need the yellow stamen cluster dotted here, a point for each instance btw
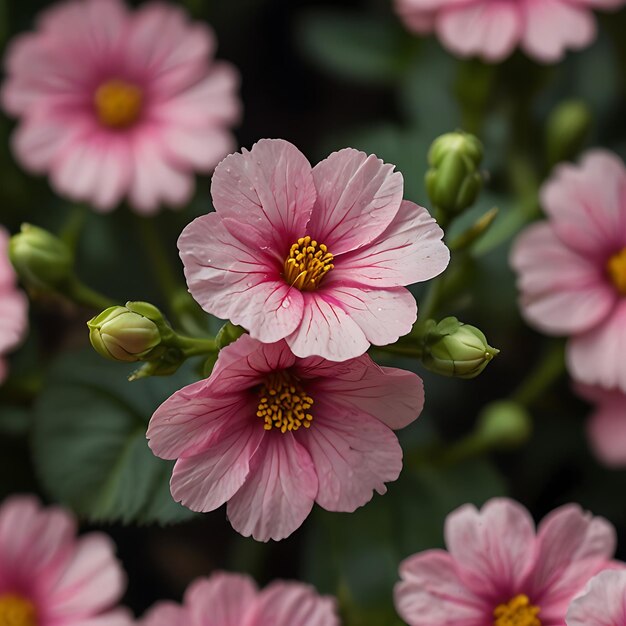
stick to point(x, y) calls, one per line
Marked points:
point(307, 264)
point(118, 103)
point(616, 267)
point(16, 611)
point(518, 611)
point(283, 403)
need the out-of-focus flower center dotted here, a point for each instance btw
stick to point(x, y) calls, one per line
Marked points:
point(16, 611)
point(518, 611)
point(118, 103)
point(307, 264)
point(616, 268)
point(283, 403)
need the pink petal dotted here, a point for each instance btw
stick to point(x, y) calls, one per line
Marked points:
point(279, 492)
point(235, 281)
point(597, 357)
point(409, 251)
point(552, 26)
point(493, 547)
point(198, 148)
point(383, 315)
point(326, 330)
point(223, 599)
point(482, 28)
point(357, 198)
point(116, 617)
point(418, 20)
point(13, 318)
point(562, 291)
point(393, 396)
point(165, 614)
point(92, 581)
point(293, 604)
point(602, 603)
point(587, 204)
point(571, 547)
point(269, 188)
point(431, 593)
point(354, 455)
point(606, 430)
point(209, 479)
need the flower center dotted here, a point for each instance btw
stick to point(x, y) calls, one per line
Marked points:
point(283, 403)
point(307, 264)
point(118, 104)
point(16, 611)
point(616, 267)
point(518, 611)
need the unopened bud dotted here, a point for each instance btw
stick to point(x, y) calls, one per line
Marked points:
point(452, 348)
point(504, 424)
point(127, 333)
point(454, 180)
point(42, 261)
point(227, 334)
point(567, 128)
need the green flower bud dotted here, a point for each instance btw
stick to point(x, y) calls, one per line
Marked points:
point(227, 334)
point(167, 362)
point(127, 333)
point(454, 180)
point(566, 130)
point(452, 348)
point(504, 424)
point(43, 262)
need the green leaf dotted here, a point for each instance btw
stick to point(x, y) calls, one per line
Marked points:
point(356, 46)
point(90, 447)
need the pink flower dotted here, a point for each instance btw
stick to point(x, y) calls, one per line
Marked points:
point(48, 577)
point(498, 571)
point(606, 427)
point(492, 29)
point(318, 257)
point(271, 434)
point(234, 600)
point(572, 268)
point(603, 603)
point(13, 306)
point(114, 103)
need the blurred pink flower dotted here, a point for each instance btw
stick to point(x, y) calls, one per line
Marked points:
point(13, 306)
point(606, 427)
point(603, 603)
point(492, 29)
point(114, 103)
point(572, 268)
point(271, 434)
point(234, 600)
point(498, 571)
point(48, 577)
point(317, 256)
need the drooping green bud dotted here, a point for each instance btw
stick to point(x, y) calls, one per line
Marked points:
point(227, 334)
point(566, 130)
point(504, 424)
point(42, 261)
point(454, 180)
point(452, 348)
point(127, 333)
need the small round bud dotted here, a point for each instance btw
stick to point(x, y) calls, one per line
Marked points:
point(227, 334)
point(566, 130)
point(452, 348)
point(42, 261)
point(123, 334)
point(504, 424)
point(454, 180)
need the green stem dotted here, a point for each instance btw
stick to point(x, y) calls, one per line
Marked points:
point(542, 377)
point(70, 233)
point(431, 302)
point(81, 294)
point(191, 346)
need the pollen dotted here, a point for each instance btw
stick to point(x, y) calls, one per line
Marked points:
point(16, 610)
point(307, 264)
point(118, 104)
point(283, 403)
point(616, 268)
point(516, 612)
